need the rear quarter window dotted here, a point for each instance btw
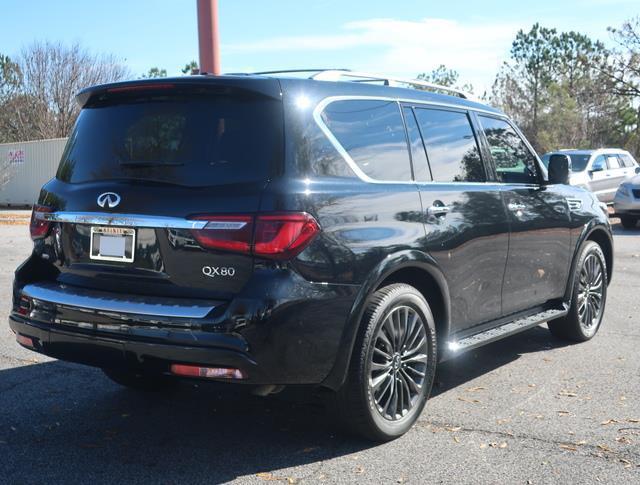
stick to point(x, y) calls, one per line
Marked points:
point(627, 160)
point(372, 133)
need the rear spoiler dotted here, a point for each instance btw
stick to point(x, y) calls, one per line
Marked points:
point(265, 86)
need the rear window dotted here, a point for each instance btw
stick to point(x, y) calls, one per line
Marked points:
point(613, 161)
point(578, 162)
point(191, 140)
point(452, 149)
point(372, 133)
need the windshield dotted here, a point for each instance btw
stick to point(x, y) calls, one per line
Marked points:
point(578, 162)
point(181, 139)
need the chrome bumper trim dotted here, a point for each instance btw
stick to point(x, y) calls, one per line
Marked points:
point(128, 220)
point(77, 297)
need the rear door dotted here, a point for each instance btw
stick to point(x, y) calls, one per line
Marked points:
point(465, 221)
point(616, 174)
point(539, 242)
point(628, 164)
point(154, 161)
point(600, 182)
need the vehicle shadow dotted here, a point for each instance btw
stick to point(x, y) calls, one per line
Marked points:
point(456, 372)
point(66, 423)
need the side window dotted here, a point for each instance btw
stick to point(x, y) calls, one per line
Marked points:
point(613, 162)
point(513, 160)
point(372, 133)
point(628, 161)
point(418, 155)
point(599, 164)
point(451, 146)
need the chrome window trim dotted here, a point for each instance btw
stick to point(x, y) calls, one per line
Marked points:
point(94, 300)
point(320, 107)
point(127, 220)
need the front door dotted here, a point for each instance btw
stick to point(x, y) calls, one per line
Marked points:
point(465, 221)
point(540, 242)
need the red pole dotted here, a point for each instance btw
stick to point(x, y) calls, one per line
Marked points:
point(208, 38)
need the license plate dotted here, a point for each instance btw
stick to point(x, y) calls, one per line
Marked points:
point(112, 244)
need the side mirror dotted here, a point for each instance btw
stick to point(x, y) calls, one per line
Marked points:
point(559, 167)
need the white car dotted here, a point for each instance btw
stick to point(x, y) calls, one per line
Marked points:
point(600, 171)
point(627, 202)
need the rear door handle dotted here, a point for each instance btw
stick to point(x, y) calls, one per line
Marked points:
point(438, 210)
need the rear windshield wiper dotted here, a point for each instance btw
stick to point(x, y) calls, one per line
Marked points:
point(149, 163)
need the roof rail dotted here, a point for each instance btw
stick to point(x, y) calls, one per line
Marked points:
point(365, 77)
point(343, 74)
point(295, 71)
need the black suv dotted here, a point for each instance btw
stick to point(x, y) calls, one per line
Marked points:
point(337, 231)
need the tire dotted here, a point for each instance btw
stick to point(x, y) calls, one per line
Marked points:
point(380, 359)
point(584, 319)
point(140, 381)
point(629, 222)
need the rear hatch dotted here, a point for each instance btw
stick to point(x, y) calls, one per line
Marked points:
point(149, 163)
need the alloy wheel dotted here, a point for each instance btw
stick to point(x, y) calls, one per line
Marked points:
point(590, 294)
point(398, 363)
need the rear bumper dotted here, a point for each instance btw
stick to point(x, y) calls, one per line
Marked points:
point(152, 354)
point(293, 337)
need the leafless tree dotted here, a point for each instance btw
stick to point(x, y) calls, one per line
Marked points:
point(51, 74)
point(37, 92)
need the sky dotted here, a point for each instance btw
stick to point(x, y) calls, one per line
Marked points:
point(401, 37)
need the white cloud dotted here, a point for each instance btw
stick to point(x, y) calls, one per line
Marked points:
point(405, 47)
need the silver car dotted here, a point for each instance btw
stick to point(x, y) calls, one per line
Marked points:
point(627, 202)
point(600, 171)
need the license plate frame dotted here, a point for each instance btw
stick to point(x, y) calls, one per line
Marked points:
point(120, 236)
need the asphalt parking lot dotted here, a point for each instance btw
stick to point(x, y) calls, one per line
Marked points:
point(529, 409)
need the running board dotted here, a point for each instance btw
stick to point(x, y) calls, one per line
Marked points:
point(455, 347)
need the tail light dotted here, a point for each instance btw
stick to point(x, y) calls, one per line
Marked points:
point(24, 306)
point(230, 233)
point(39, 227)
point(283, 236)
point(276, 236)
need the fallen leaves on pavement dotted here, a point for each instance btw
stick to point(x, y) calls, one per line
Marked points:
point(566, 393)
point(609, 421)
point(475, 389)
point(569, 447)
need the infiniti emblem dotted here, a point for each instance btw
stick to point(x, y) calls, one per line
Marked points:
point(108, 199)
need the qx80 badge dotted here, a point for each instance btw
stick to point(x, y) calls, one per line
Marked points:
point(215, 271)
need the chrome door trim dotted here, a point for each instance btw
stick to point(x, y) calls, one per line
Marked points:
point(127, 220)
point(320, 107)
point(102, 301)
